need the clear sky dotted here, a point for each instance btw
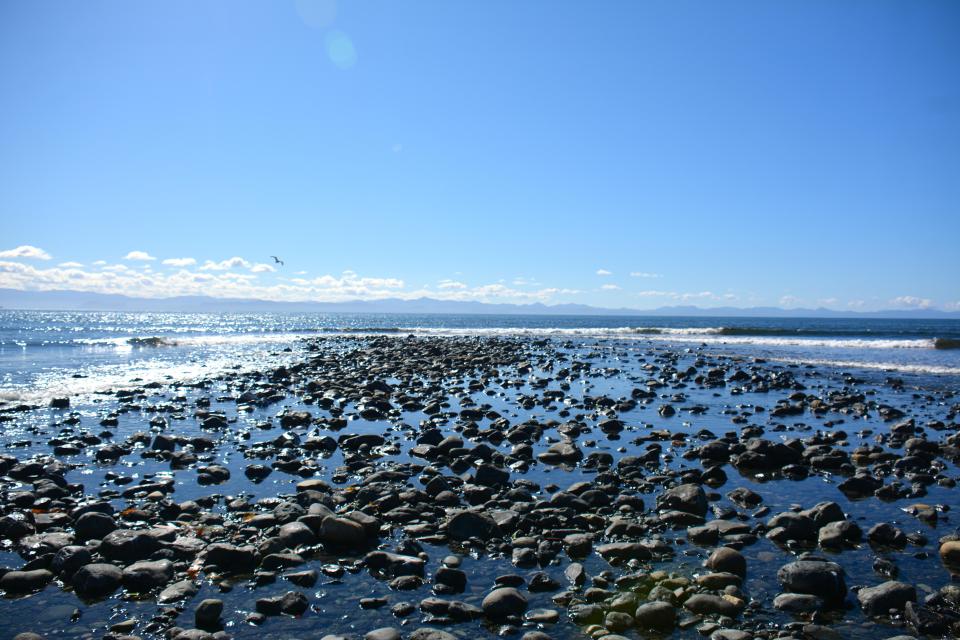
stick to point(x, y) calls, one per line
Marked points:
point(629, 153)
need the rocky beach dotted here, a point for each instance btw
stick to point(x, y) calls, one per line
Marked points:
point(346, 320)
point(436, 487)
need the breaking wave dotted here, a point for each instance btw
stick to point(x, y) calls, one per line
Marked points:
point(715, 335)
point(759, 336)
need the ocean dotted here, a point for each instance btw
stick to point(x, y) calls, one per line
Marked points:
point(45, 354)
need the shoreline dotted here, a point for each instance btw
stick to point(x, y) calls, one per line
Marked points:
point(160, 358)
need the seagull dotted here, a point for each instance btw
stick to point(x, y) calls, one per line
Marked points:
point(277, 260)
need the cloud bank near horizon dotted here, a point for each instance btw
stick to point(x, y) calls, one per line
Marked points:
point(139, 274)
point(235, 277)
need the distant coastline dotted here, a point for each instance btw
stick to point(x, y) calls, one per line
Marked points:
point(13, 299)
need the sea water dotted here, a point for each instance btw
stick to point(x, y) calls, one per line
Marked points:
point(46, 354)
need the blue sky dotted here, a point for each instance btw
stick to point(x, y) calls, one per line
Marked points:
point(632, 154)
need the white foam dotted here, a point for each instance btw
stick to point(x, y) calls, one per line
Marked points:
point(101, 379)
point(708, 335)
point(880, 366)
point(832, 343)
point(127, 343)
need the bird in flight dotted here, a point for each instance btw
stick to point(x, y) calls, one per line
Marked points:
point(277, 260)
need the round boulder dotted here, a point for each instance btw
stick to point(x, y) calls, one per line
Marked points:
point(727, 560)
point(656, 616)
point(504, 602)
point(97, 580)
point(816, 578)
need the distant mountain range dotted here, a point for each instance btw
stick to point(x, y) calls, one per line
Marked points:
point(81, 301)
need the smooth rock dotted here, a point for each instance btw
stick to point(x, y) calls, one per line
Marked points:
point(97, 580)
point(207, 614)
point(146, 575)
point(879, 600)
point(342, 532)
point(823, 579)
point(950, 553)
point(797, 603)
point(431, 634)
point(178, 591)
point(688, 498)
point(727, 560)
point(470, 524)
point(707, 604)
point(25, 581)
point(503, 602)
point(656, 616)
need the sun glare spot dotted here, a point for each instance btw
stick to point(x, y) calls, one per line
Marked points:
point(341, 50)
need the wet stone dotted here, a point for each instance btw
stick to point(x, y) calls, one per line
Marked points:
point(14, 582)
point(97, 580)
point(207, 614)
point(504, 602)
point(823, 579)
point(879, 600)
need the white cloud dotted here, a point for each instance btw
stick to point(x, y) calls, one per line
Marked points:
point(644, 274)
point(142, 256)
point(221, 283)
point(180, 262)
point(497, 292)
point(604, 272)
point(912, 302)
point(262, 268)
point(789, 301)
point(952, 306)
point(225, 265)
point(122, 279)
point(25, 251)
point(689, 296)
point(70, 265)
point(100, 263)
point(609, 287)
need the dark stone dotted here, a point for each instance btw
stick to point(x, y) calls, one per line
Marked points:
point(69, 559)
point(727, 560)
point(504, 602)
point(147, 575)
point(707, 604)
point(97, 580)
point(656, 616)
point(232, 559)
point(207, 614)
point(25, 581)
point(127, 545)
point(822, 579)
point(688, 498)
point(879, 600)
point(94, 526)
point(470, 524)
point(292, 603)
